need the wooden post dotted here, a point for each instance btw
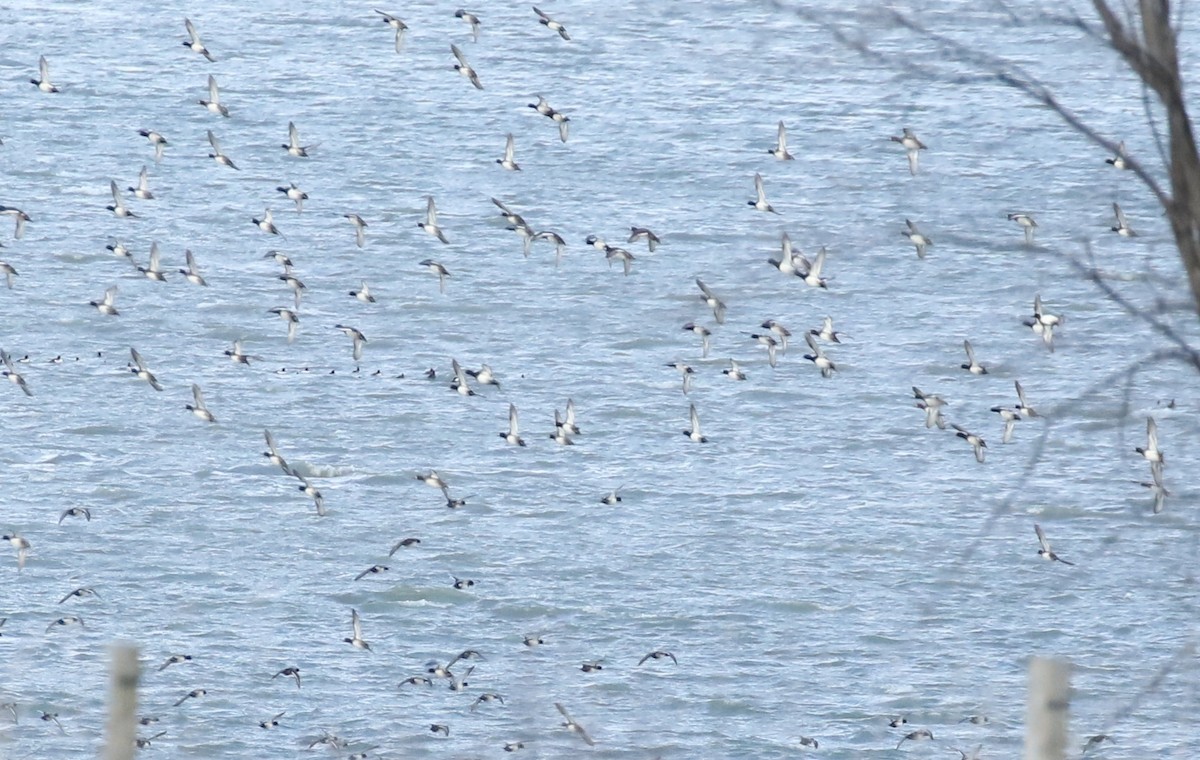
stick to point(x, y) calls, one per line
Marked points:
point(121, 739)
point(1047, 709)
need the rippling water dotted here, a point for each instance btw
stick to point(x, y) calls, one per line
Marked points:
point(822, 564)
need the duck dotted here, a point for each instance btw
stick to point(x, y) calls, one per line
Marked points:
point(359, 228)
point(43, 81)
point(294, 194)
point(140, 370)
point(644, 233)
point(813, 277)
point(551, 24)
point(50, 717)
point(573, 726)
point(561, 433)
point(1151, 452)
point(760, 201)
point(919, 240)
point(21, 544)
point(527, 235)
point(289, 316)
point(513, 436)
point(157, 140)
point(399, 26)
point(818, 357)
point(509, 162)
point(311, 491)
point(357, 640)
point(1119, 161)
point(568, 422)
point(460, 383)
point(192, 273)
point(704, 333)
point(430, 224)
point(355, 335)
point(193, 694)
point(779, 331)
point(713, 301)
point(293, 146)
point(267, 223)
point(372, 570)
point(11, 373)
point(218, 155)
point(559, 244)
point(977, 443)
point(193, 41)
point(1010, 418)
point(464, 68)
point(433, 479)
point(1122, 227)
point(487, 698)
point(484, 375)
point(363, 293)
point(19, 218)
point(1023, 408)
point(472, 20)
point(1044, 547)
point(80, 593)
point(563, 121)
point(659, 654)
point(686, 371)
point(694, 433)
point(510, 216)
point(142, 191)
point(118, 207)
point(626, 258)
point(213, 104)
point(932, 405)
point(972, 366)
point(272, 454)
point(921, 734)
point(787, 263)
point(290, 671)
point(153, 269)
point(912, 146)
point(772, 346)
point(198, 406)
point(827, 333)
point(175, 659)
point(404, 543)
point(780, 150)
point(1027, 224)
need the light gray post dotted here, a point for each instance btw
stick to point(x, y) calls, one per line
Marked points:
point(1047, 709)
point(121, 739)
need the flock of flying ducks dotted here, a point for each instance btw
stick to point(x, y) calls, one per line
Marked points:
point(106, 305)
point(771, 335)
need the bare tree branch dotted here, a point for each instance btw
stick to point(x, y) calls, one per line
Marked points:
point(1153, 59)
point(1126, 374)
point(1089, 271)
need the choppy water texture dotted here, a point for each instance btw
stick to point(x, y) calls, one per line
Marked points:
point(823, 563)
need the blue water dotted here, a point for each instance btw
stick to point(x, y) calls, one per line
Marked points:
point(822, 564)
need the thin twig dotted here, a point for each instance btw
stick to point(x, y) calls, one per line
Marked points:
point(1159, 326)
point(1060, 411)
point(1182, 656)
point(993, 67)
